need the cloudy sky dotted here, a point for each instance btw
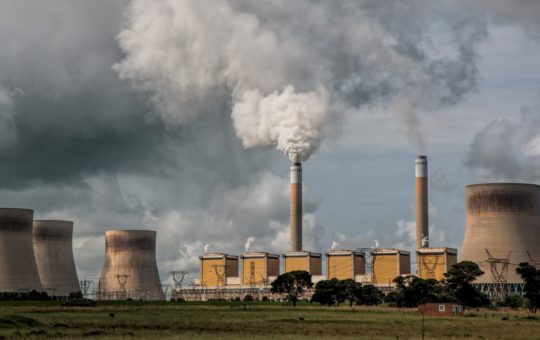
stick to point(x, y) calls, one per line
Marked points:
point(180, 116)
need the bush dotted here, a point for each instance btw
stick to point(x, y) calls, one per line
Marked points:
point(265, 299)
point(248, 298)
point(512, 301)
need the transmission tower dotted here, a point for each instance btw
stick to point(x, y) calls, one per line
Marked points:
point(178, 277)
point(252, 273)
point(369, 261)
point(86, 286)
point(430, 266)
point(122, 280)
point(499, 274)
point(534, 262)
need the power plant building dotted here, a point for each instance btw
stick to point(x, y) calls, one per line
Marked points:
point(18, 269)
point(258, 267)
point(388, 264)
point(303, 260)
point(345, 264)
point(130, 269)
point(52, 243)
point(432, 263)
point(502, 230)
point(217, 269)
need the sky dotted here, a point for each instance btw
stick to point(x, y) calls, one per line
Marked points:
point(181, 116)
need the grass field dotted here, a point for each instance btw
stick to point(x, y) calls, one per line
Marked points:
point(256, 321)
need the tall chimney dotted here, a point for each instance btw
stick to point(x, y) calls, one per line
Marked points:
point(296, 206)
point(422, 222)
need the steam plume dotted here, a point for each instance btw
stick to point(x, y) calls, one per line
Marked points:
point(289, 81)
point(249, 241)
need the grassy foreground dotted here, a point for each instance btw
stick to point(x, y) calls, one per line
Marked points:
point(256, 321)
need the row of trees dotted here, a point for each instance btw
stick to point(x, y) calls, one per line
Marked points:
point(410, 291)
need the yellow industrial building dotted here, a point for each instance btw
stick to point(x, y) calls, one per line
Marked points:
point(257, 267)
point(345, 264)
point(217, 268)
point(303, 260)
point(389, 263)
point(432, 263)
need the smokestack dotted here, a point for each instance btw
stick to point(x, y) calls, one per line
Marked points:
point(422, 222)
point(296, 206)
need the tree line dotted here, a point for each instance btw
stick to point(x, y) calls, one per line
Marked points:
point(410, 291)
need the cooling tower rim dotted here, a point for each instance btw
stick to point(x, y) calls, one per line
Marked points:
point(55, 221)
point(18, 209)
point(130, 230)
point(502, 184)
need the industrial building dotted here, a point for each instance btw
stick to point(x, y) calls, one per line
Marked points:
point(432, 263)
point(259, 268)
point(345, 264)
point(130, 269)
point(502, 230)
point(218, 270)
point(303, 260)
point(387, 264)
point(18, 269)
point(52, 241)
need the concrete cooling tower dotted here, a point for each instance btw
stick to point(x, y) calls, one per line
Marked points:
point(130, 269)
point(502, 230)
point(54, 257)
point(18, 270)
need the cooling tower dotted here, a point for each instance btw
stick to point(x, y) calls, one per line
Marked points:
point(54, 257)
point(503, 228)
point(130, 269)
point(296, 206)
point(18, 270)
point(422, 222)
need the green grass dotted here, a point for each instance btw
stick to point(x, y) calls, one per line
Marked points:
point(119, 320)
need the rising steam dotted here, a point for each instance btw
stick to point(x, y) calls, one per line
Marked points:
point(289, 81)
point(249, 241)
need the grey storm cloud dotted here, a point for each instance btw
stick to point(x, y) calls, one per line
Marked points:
point(122, 114)
point(508, 150)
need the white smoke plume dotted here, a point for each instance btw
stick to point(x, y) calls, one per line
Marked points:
point(289, 80)
point(334, 245)
point(508, 150)
point(206, 246)
point(249, 241)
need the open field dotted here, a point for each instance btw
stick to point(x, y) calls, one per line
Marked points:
point(256, 321)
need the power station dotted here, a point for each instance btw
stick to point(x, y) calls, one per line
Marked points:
point(130, 269)
point(502, 230)
point(53, 251)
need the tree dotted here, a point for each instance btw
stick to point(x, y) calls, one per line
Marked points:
point(412, 291)
point(292, 284)
point(351, 291)
point(370, 295)
point(329, 292)
point(531, 278)
point(458, 281)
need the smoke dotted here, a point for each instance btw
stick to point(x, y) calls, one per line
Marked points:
point(508, 150)
point(8, 134)
point(290, 81)
point(334, 245)
point(206, 247)
point(249, 241)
